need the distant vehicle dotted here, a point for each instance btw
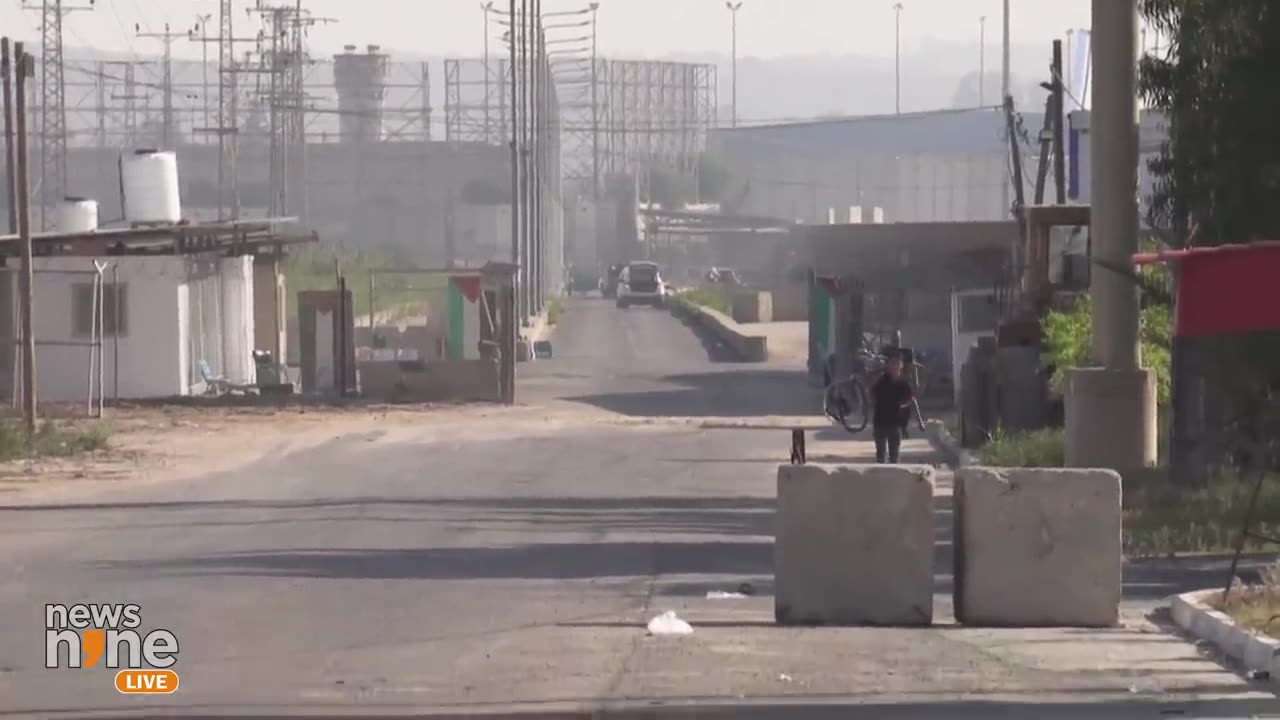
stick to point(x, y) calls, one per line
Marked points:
point(609, 282)
point(641, 284)
point(723, 276)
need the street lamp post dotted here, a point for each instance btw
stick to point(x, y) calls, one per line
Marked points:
point(982, 61)
point(733, 12)
point(897, 58)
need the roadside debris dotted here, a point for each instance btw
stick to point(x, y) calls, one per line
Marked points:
point(722, 595)
point(668, 624)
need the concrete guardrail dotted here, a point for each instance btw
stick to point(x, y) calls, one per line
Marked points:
point(748, 347)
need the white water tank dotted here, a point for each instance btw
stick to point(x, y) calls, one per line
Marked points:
point(76, 215)
point(150, 187)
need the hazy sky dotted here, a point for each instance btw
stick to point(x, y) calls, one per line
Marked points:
point(631, 28)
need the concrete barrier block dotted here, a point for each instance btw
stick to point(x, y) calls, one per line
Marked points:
point(1037, 547)
point(854, 545)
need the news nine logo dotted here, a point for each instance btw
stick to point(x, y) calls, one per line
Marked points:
point(89, 635)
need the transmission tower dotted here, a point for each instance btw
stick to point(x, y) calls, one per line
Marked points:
point(53, 106)
point(166, 83)
point(227, 128)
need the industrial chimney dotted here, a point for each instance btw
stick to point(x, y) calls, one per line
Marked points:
point(360, 79)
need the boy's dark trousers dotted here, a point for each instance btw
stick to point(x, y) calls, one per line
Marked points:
point(888, 440)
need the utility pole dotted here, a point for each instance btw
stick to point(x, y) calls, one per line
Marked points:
point(6, 97)
point(982, 61)
point(1059, 107)
point(486, 8)
point(1004, 71)
point(227, 129)
point(509, 303)
point(130, 98)
point(53, 106)
point(897, 57)
point(733, 13)
point(202, 26)
point(595, 120)
point(166, 37)
point(25, 69)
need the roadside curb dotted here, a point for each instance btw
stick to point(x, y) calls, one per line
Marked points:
point(748, 348)
point(944, 442)
point(1255, 652)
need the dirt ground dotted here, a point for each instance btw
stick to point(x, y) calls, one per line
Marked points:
point(150, 442)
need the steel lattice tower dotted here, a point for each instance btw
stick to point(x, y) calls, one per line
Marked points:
point(53, 108)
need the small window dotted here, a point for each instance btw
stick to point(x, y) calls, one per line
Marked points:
point(115, 304)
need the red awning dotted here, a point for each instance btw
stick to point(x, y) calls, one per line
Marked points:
point(1225, 289)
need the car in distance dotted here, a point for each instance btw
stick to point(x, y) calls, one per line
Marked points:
point(641, 284)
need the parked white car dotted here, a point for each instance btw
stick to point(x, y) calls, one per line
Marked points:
point(641, 284)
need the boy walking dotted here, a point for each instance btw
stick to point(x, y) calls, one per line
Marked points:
point(891, 397)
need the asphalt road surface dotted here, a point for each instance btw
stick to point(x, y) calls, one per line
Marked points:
point(510, 562)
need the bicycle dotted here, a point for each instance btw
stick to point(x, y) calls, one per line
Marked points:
point(848, 401)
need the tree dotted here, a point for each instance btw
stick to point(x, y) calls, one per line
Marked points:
point(1215, 84)
point(1218, 176)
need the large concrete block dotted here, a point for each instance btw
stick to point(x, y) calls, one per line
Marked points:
point(1037, 547)
point(854, 545)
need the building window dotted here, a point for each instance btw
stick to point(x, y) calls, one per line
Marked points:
point(114, 298)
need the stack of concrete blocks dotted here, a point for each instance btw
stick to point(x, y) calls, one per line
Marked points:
point(854, 545)
point(1037, 547)
point(752, 306)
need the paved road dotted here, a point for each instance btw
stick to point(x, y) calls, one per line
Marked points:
point(515, 559)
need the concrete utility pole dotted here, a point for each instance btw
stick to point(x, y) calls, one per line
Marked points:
point(897, 58)
point(166, 37)
point(6, 88)
point(1110, 410)
point(733, 13)
point(24, 65)
point(1004, 67)
point(982, 61)
point(509, 332)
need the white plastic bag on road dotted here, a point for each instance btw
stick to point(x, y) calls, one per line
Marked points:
point(668, 624)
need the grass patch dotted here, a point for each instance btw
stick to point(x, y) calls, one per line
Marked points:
point(52, 440)
point(1038, 448)
point(1161, 519)
point(708, 297)
point(1256, 607)
point(555, 308)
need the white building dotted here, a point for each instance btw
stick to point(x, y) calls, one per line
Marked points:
point(177, 303)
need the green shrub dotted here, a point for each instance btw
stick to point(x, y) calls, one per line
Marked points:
point(1038, 448)
point(51, 440)
point(1164, 518)
point(713, 298)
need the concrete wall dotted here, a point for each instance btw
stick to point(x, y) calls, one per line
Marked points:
point(446, 380)
point(152, 351)
point(790, 303)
